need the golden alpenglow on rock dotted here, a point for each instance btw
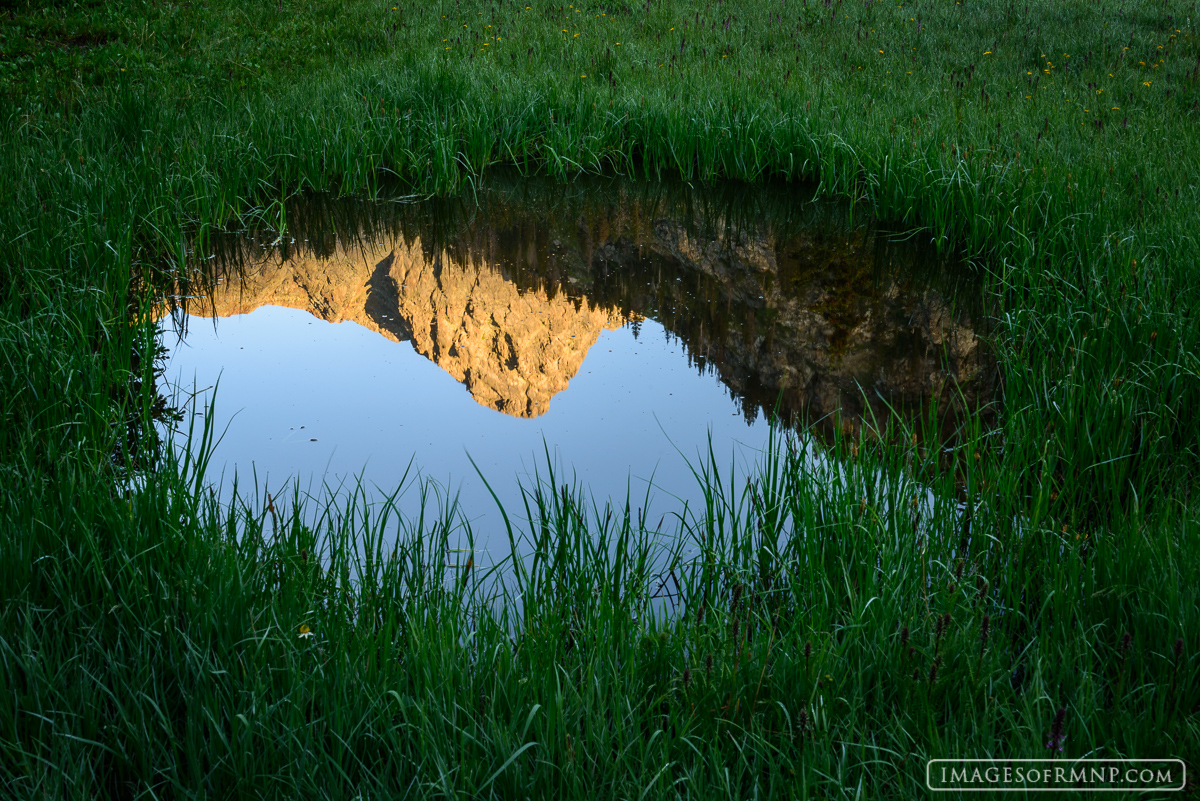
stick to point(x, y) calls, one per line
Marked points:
point(513, 349)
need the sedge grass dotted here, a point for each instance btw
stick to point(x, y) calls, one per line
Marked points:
point(152, 639)
point(809, 632)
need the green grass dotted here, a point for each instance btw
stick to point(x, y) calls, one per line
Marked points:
point(151, 638)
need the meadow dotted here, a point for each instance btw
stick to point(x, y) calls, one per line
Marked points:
point(157, 644)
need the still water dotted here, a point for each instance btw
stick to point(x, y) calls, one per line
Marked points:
point(613, 329)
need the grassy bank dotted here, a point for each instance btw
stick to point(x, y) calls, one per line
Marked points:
point(153, 651)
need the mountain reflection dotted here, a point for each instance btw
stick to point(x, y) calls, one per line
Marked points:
point(784, 300)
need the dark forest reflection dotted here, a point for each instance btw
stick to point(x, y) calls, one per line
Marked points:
point(778, 295)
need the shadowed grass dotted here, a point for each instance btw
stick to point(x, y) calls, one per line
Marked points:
point(152, 638)
point(812, 627)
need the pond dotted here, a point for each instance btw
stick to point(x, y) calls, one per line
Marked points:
point(612, 329)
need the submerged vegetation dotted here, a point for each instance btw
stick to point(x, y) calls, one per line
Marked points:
point(816, 631)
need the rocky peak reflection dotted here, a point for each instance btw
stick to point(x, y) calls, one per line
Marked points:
point(512, 349)
point(782, 299)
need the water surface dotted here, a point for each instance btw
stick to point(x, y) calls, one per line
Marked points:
point(614, 328)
